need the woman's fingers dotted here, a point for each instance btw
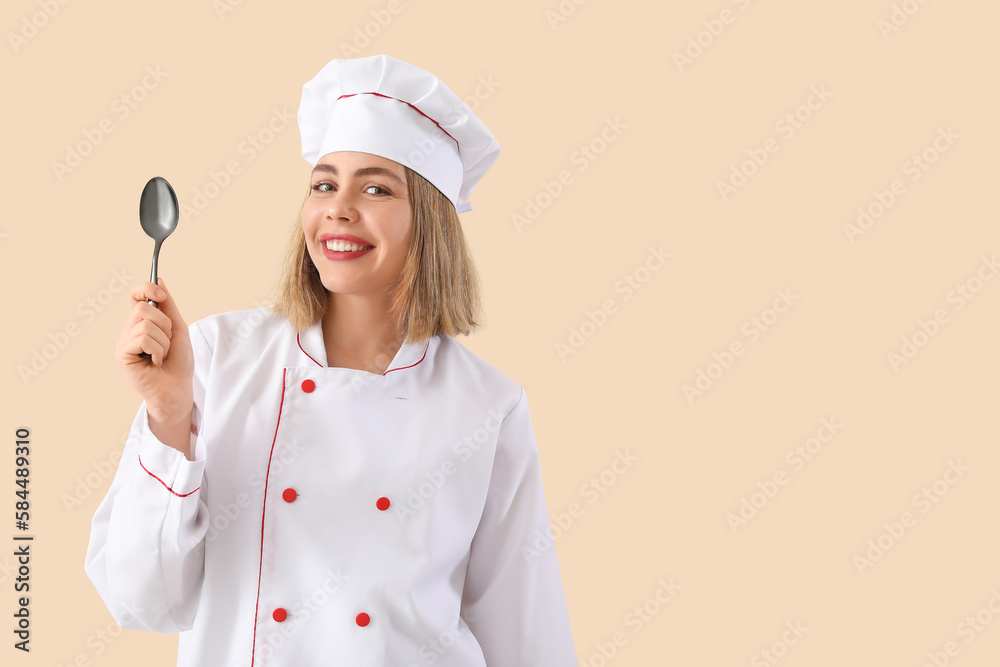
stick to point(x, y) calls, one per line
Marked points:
point(141, 309)
point(147, 290)
point(169, 308)
point(129, 349)
point(145, 336)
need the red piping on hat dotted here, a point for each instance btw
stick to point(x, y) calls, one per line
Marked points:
point(409, 105)
point(179, 495)
point(260, 567)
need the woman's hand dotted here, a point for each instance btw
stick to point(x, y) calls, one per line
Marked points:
point(164, 380)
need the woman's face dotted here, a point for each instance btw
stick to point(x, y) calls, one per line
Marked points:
point(364, 197)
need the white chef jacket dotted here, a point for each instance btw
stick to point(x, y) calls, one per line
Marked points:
point(335, 516)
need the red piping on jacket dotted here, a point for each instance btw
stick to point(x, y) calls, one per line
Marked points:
point(260, 567)
point(388, 371)
point(304, 351)
point(267, 474)
point(412, 107)
point(179, 495)
point(411, 365)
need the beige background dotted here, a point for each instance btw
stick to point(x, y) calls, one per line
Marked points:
point(682, 130)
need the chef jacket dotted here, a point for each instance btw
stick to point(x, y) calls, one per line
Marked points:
point(336, 516)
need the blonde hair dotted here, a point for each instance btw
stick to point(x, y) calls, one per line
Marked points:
point(437, 292)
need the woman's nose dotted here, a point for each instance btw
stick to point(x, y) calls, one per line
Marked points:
point(341, 206)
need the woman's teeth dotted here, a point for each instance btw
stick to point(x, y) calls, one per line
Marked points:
point(342, 246)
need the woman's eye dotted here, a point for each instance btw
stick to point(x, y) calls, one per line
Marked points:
point(327, 187)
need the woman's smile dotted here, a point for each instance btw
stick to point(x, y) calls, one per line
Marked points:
point(343, 255)
point(341, 247)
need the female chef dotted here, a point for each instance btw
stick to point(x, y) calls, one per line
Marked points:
point(336, 479)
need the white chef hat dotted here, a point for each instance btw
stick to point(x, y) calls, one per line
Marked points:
point(386, 107)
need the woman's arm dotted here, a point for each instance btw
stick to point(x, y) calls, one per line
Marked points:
point(513, 599)
point(146, 555)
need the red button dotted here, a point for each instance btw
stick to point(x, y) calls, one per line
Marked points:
point(279, 614)
point(308, 386)
point(363, 619)
point(382, 503)
point(289, 495)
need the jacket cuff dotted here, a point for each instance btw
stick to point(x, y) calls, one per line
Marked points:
point(165, 465)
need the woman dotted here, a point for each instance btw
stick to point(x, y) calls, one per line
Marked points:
point(337, 480)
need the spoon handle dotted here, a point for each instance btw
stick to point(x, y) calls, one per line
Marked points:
point(152, 279)
point(152, 273)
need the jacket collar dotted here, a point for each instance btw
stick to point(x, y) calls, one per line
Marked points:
point(313, 348)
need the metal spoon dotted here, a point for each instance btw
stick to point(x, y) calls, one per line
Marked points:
point(158, 214)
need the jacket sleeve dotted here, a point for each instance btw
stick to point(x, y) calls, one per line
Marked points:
point(146, 555)
point(513, 600)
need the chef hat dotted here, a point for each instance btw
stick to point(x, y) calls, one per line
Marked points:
point(386, 107)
